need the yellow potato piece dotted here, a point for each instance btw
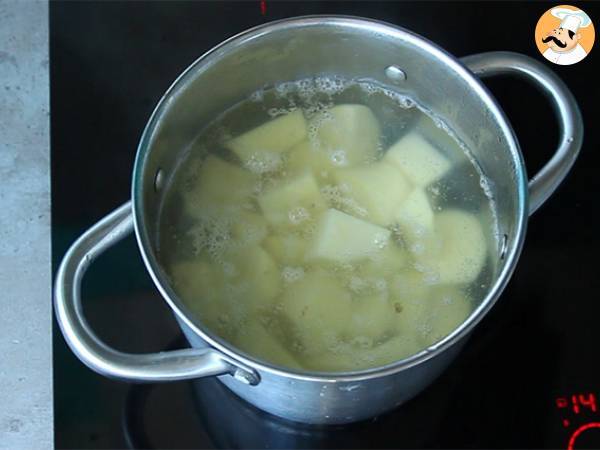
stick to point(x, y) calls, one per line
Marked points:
point(220, 188)
point(372, 316)
point(286, 249)
point(306, 156)
point(254, 277)
point(319, 309)
point(350, 132)
point(463, 248)
point(295, 203)
point(420, 161)
point(415, 215)
point(342, 238)
point(449, 307)
point(256, 340)
point(379, 188)
point(249, 228)
point(201, 286)
point(386, 262)
point(260, 149)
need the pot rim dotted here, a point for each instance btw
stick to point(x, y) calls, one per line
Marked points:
point(366, 24)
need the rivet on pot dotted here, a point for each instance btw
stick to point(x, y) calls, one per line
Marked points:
point(158, 180)
point(246, 377)
point(395, 73)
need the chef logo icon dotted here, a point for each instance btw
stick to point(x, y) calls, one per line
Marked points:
point(564, 35)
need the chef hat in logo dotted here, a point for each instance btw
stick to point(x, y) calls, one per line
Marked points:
point(570, 19)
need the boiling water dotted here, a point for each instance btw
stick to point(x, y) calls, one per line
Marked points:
point(340, 249)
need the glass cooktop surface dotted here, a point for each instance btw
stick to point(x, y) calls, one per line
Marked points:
point(529, 377)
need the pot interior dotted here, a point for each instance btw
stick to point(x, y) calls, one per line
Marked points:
point(351, 48)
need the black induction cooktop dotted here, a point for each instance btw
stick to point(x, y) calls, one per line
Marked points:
point(528, 378)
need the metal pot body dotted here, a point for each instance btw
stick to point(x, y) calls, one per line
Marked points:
point(332, 400)
point(290, 50)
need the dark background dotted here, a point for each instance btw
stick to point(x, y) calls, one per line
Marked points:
point(111, 62)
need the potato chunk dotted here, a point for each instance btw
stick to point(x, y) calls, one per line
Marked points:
point(254, 277)
point(294, 203)
point(379, 188)
point(306, 156)
point(386, 262)
point(462, 250)
point(449, 307)
point(260, 149)
point(219, 187)
point(372, 316)
point(415, 215)
point(257, 341)
point(349, 132)
point(343, 238)
point(420, 161)
point(319, 309)
point(201, 286)
point(248, 228)
point(287, 249)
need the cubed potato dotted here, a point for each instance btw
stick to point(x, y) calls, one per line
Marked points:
point(256, 340)
point(415, 215)
point(286, 249)
point(195, 280)
point(462, 250)
point(372, 317)
point(379, 188)
point(350, 132)
point(409, 296)
point(449, 307)
point(260, 149)
point(420, 161)
point(352, 358)
point(294, 203)
point(306, 156)
point(386, 262)
point(220, 187)
point(342, 238)
point(249, 228)
point(201, 284)
point(319, 309)
point(254, 276)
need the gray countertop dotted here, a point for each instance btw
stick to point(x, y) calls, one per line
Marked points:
point(25, 272)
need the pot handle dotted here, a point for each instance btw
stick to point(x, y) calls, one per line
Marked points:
point(545, 182)
point(153, 367)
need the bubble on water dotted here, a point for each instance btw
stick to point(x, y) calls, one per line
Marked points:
point(381, 240)
point(363, 342)
point(276, 112)
point(257, 96)
point(264, 163)
point(298, 215)
point(380, 285)
point(339, 158)
point(357, 284)
point(417, 248)
point(292, 274)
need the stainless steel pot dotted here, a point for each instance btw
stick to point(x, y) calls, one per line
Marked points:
point(288, 50)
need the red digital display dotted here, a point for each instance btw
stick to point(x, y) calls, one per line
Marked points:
point(577, 402)
point(263, 7)
point(576, 407)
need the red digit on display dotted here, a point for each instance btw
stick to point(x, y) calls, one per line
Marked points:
point(576, 408)
point(588, 400)
point(562, 402)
